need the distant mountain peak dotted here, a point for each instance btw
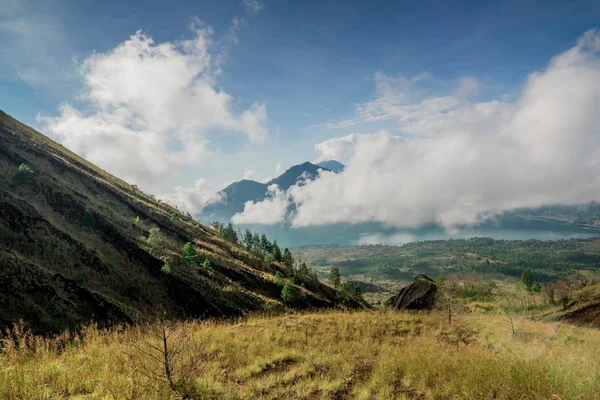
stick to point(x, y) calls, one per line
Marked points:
point(332, 165)
point(240, 192)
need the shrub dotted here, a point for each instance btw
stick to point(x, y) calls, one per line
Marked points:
point(23, 175)
point(156, 238)
point(289, 293)
point(206, 263)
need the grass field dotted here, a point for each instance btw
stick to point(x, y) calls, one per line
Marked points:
point(337, 355)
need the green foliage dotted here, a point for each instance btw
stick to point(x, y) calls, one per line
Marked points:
point(256, 243)
point(265, 245)
point(190, 255)
point(137, 220)
point(166, 268)
point(23, 175)
point(335, 276)
point(279, 278)
point(289, 293)
point(268, 258)
point(228, 233)
point(175, 216)
point(277, 251)
point(206, 263)
point(527, 278)
point(247, 240)
point(156, 238)
point(288, 259)
point(548, 260)
point(350, 294)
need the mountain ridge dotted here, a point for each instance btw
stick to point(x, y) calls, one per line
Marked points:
point(236, 194)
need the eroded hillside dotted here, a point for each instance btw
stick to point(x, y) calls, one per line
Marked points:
point(74, 248)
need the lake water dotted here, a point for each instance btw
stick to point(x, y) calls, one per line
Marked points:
point(510, 228)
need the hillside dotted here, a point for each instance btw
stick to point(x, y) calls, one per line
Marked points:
point(238, 193)
point(78, 244)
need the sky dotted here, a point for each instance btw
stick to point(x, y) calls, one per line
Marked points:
point(183, 97)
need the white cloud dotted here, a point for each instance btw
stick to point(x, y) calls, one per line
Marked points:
point(194, 199)
point(278, 169)
point(473, 160)
point(150, 107)
point(248, 174)
point(268, 212)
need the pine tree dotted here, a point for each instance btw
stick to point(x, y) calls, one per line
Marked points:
point(248, 239)
point(256, 243)
point(189, 255)
point(276, 251)
point(335, 277)
point(265, 245)
point(288, 259)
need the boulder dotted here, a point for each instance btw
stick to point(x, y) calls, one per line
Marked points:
point(419, 295)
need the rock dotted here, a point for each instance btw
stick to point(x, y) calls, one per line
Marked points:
point(419, 295)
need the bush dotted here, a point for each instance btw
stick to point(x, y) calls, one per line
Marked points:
point(289, 293)
point(206, 263)
point(23, 175)
point(156, 238)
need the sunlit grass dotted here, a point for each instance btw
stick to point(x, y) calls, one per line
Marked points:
point(364, 355)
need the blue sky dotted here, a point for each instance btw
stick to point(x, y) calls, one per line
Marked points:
point(309, 63)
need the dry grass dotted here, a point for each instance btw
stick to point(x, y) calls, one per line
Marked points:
point(337, 355)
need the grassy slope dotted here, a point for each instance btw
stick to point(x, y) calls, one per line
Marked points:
point(334, 355)
point(70, 251)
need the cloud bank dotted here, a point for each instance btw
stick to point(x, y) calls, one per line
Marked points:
point(148, 107)
point(461, 161)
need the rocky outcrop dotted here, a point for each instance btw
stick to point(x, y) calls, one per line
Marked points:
point(419, 295)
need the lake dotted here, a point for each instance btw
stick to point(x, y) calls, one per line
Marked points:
point(505, 227)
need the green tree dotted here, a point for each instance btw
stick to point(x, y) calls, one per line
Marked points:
point(527, 278)
point(335, 276)
point(256, 243)
point(229, 234)
point(279, 278)
point(350, 294)
point(248, 239)
point(276, 251)
point(288, 259)
point(190, 255)
point(265, 245)
point(289, 293)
